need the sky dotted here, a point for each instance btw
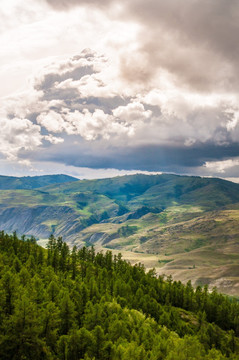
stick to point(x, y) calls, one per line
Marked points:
point(104, 88)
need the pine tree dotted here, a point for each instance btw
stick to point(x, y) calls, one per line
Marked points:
point(67, 313)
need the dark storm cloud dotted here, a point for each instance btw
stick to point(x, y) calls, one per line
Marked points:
point(150, 158)
point(209, 22)
point(194, 40)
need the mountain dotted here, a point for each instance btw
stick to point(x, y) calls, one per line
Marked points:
point(32, 182)
point(159, 190)
point(183, 226)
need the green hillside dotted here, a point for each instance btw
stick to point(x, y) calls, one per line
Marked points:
point(58, 304)
point(32, 182)
point(159, 190)
point(183, 226)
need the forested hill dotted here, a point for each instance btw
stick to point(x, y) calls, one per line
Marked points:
point(32, 182)
point(79, 305)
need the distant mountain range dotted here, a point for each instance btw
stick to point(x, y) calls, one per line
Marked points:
point(181, 225)
point(32, 182)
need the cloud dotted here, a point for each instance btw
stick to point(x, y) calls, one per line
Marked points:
point(83, 99)
point(160, 94)
point(222, 166)
point(73, 68)
point(53, 139)
point(195, 42)
point(108, 154)
point(132, 112)
point(52, 121)
point(13, 13)
point(86, 124)
point(18, 131)
point(18, 134)
point(65, 4)
point(82, 106)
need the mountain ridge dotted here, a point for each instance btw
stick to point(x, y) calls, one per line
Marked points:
point(32, 182)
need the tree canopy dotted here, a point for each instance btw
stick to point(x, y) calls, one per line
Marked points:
point(81, 305)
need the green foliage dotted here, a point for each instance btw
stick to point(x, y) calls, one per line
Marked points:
point(79, 305)
point(126, 231)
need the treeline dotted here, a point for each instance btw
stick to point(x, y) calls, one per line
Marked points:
point(74, 305)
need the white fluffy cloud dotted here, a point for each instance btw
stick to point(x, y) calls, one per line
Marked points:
point(86, 124)
point(53, 139)
point(18, 134)
point(221, 166)
point(53, 122)
point(134, 111)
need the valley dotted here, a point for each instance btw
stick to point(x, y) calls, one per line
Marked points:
point(182, 226)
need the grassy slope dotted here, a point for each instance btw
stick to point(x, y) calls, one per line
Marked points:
point(184, 241)
point(158, 190)
point(195, 237)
